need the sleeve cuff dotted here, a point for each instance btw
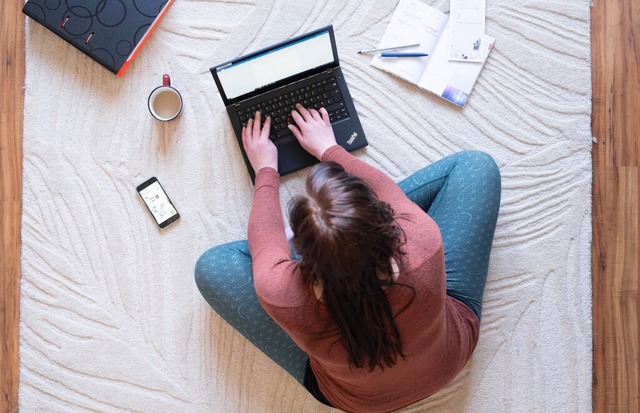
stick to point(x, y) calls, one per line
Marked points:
point(267, 177)
point(332, 153)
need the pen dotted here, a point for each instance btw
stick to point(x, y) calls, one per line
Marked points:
point(388, 48)
point(391, 54)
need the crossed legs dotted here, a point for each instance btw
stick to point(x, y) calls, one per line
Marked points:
point(460, 192)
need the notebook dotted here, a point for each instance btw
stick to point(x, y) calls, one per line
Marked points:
point(454, 62)
point(304, 69)
point(111, 33)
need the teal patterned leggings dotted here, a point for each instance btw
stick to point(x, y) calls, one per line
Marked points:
point(460, 192)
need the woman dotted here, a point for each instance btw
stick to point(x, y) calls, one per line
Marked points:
point(379, 302)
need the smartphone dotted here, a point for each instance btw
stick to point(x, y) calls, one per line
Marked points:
point(158, 202)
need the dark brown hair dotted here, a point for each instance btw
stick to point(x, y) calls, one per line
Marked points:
point(347, 237)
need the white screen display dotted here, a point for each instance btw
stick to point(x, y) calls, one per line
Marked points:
point(274, 65)
point(158, 202)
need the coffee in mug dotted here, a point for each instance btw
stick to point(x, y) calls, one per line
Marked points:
point(165, 102)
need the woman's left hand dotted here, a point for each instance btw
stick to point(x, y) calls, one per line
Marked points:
point(261, 151)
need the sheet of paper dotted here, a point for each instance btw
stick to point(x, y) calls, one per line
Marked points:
point(453, 80)
point(467, 19)
point(412, 22)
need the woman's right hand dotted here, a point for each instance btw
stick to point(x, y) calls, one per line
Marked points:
point(257, 145)
point(313, 130)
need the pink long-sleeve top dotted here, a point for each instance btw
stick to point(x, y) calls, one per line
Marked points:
point(438, 333)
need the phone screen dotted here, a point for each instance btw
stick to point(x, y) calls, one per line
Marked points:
point(158, 202)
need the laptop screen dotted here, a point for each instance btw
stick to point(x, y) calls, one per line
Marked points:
point(258, 70)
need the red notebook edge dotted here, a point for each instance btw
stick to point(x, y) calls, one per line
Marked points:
point(144, 39)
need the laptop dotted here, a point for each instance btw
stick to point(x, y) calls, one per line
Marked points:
point(304, 69)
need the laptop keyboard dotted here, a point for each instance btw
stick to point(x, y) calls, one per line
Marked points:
point(324, 93)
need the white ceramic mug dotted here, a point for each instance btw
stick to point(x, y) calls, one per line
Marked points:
point(165, 102)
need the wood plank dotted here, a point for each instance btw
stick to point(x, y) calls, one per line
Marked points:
point(615, 123)
point(12, 67)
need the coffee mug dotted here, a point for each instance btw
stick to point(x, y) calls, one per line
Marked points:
point(165, 102)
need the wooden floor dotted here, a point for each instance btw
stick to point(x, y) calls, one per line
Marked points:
point(11, 104)
point(616, 126)
point(615, 45)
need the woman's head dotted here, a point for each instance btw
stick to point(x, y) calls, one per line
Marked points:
point(347, 238)
point(341, 223)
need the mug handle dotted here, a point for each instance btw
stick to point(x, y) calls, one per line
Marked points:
point(166, 80)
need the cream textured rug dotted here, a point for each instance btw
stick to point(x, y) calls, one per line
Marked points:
point(111, 319)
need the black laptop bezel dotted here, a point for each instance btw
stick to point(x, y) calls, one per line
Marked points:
point(283, 82)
